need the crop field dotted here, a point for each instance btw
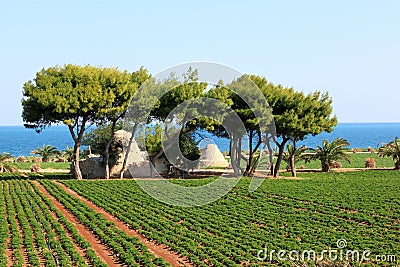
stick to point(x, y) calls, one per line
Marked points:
point(42, 223)
point(34, 232)
point(314, 213)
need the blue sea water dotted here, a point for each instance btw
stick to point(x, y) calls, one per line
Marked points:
point(20, 141)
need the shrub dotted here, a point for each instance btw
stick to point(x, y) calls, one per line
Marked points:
point(37, 160)
point(371, 150)
point(288, 169)
point(5, 160)
point(357, 150)
point(336, 165)
point(370, 163)
point(61, 160)
point(21, 159)
point(35, 168)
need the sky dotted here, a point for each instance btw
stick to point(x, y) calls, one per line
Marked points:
point(349, 48)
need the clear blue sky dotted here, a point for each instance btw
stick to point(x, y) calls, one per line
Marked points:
point(349, 48)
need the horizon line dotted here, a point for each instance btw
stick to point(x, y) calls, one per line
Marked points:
point(9, 125)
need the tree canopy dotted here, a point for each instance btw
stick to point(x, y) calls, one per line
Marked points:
point(76, 96)
point(79, 96)
point(296, 114)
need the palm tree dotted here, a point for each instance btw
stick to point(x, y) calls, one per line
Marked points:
point(329, 152)
point(68, 153)
point(4, 165)
point(46, 152)
point(391, 150)
point(292, 156)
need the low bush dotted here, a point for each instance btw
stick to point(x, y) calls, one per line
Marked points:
point(370, 163)
point(336, 165)
point(21, 159)
point(35, 168)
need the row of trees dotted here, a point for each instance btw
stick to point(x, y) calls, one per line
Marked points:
point(80, 96)
point(330, 152)
point(47, 152)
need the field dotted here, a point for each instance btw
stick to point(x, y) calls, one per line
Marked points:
point(45, 223)
point(43, 165)
point(357, 161)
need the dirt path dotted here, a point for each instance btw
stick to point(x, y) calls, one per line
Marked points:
point(161, 251)
point(80, 251)
point(101, 250)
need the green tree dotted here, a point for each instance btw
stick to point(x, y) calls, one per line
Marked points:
point(73, 95)
point(4, 165)
point(292, 156)
point(296, 115)
point(98, 138)
point(391, 150)
point(46, 152)
point(68, 153)
point(122, 87)
point(245, 102)
point(150, 139)
point(329, 152)
point(141, 98)
point(186, 89)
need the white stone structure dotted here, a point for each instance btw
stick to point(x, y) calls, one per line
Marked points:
point(212, 156)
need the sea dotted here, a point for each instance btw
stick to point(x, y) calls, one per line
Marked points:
point(20, 141)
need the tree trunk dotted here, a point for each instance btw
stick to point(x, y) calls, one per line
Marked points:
point(77, 146)
point(233, 154)
point(397, 165)
point(77, 170)
point(248, 166)
point(293, 160)
point(325, 167)
point(251, 167)
point(271, 157)
point(164, 148)
point(292, 166)
point(239, 154)
point(152, 166)
point(107, 150)
point(121, 175)
point(281, 147)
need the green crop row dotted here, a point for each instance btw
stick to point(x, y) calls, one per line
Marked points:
point(128, 249)
point(35, 232)
point(312, 213)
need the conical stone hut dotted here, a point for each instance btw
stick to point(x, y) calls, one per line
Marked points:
point(211, 156)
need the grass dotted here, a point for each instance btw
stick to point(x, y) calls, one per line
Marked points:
point(356, 161)
point(43, 165)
